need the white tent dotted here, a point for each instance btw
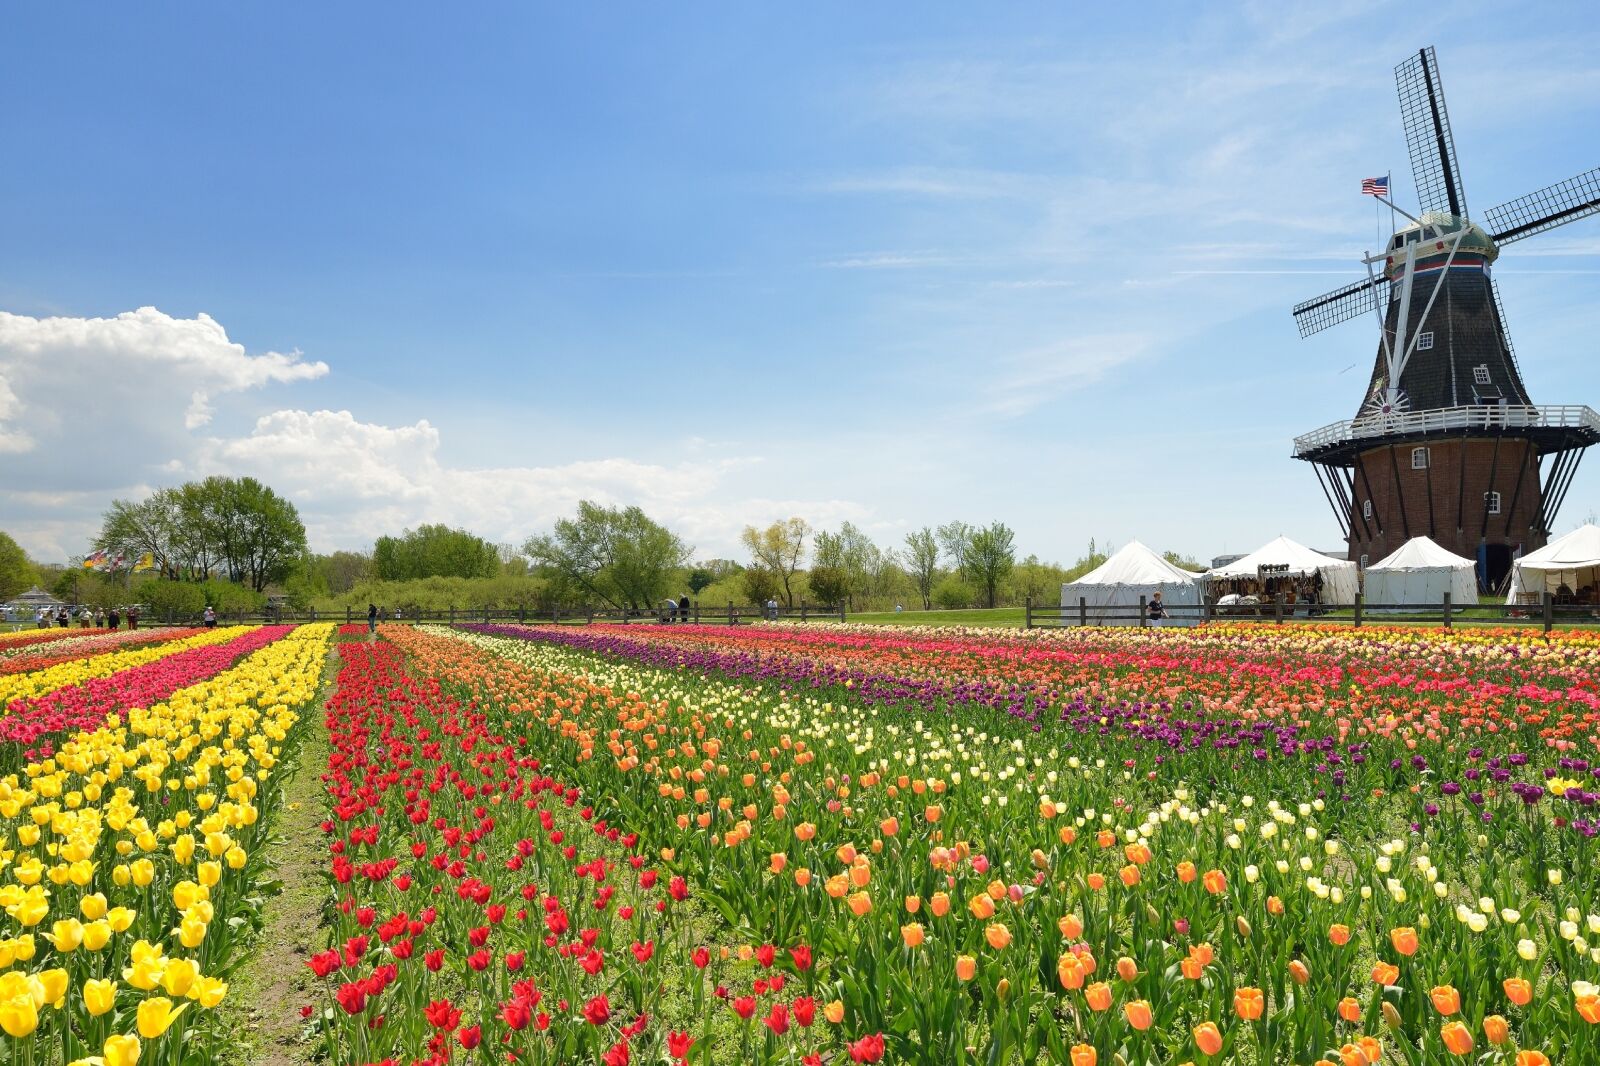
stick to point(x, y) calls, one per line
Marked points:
point(1419, 571)
point(1572, 560)
point(1111, 591)
point(1338, 575)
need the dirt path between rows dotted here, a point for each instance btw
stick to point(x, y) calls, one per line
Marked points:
point(267, 993)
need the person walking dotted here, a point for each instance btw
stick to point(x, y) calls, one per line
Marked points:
point(133, 617)
point(1156, 611)
point(210, 617)
point(683, 608)
point(372, 619)
point(113, 620)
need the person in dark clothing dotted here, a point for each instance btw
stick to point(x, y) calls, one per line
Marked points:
point(1156, 611)
point(62, 618)
point(683, 608)
point(113, 620)
point(133, 618)
point(372, 618)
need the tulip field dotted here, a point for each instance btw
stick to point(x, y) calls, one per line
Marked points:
point(820, 844)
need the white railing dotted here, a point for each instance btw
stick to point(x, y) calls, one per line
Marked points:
point(1446, 419)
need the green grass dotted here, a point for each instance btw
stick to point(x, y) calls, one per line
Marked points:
point(1006, 617)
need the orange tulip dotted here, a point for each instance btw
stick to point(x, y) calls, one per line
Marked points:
point(802, 876)
point(912, 934)
point(1457, 1038)
point(1138, 1014)
point(1353, 1055)
point(1192, 968)
point(1532, 1058)
point(1137, 854)
point(1404, 940)
point(1385, 973)
point(1186, 872)
point(860, 903)
point(1274, 905)
point(1216, 882)
point(1098, 996)
point(982, 907)
point(997, 935)
point(1518, 990)
point(778, 861)
point(1084, 1055)
point(1097, 881)
point(933, 813)
point(1068, 834)
point(1127, 969)
point(1496, 1029)
point(1202, 953)
point(1071, 926)
point(966, 966)
point(1208, 1038)
point(1372, 1046)
point(913, 904)
point(1350, 1009)
point(1299, 971)
point(1446, 1000)
point(1339, 934)
point(1129, 875)
point(1588, 1008)
point(1105, 838)
point(1070, 971)
point(889, 826)
point(1249, 1003)
point(939, 904)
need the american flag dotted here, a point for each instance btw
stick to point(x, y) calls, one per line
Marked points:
point(1375, 186)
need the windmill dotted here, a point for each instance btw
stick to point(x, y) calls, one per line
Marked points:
point(1446, 441)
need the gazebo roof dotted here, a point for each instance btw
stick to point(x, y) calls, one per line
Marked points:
point(35, 597)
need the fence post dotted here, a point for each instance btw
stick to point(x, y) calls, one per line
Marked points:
point(730, 612)
point(1205, 609)
point(802, 610)
point(1447, 610)
point(1144, 613)
point(841, 612)
point(1277, 608)
point(1027, 612)
point(1549, 612)
point(1358, 610)
point(347, 614)
point(1083, 611)
point(452, 614)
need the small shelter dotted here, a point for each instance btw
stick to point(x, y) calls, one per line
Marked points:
point(25, 605)
point(1419, 571)
point(1568, 568)
point(1286, 565)
point(1111, 591)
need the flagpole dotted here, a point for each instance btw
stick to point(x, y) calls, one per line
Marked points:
point(1389, 181)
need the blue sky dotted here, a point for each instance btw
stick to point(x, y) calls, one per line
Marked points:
point(895, 265)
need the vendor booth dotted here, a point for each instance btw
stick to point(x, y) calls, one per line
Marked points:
point(1568, 568)
point(1285, 567)
point(1111, 592)
point(1421, 572)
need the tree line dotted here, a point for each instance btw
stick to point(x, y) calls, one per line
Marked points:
point(230, 542)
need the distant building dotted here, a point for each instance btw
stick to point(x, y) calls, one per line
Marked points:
point(1219, 561)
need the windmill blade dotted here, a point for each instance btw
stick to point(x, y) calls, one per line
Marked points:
point(1428, 137)
point(1330, 309)
point(1546, 209)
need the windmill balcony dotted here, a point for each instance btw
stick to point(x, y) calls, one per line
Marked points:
point(1564, 421)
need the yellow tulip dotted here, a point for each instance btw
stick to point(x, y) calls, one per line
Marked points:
point(93, 907)
point(179, 975)
point(19, 1017)
point(54, 983)
point(66, 934)
point(156, 1016)
point(209, 991)
point(99, 996)
point(122, 1050)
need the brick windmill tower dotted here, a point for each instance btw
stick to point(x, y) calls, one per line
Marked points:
point(1447, 442)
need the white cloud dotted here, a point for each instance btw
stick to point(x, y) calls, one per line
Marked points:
point(1037, 376)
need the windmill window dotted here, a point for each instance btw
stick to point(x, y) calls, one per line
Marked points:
point(1419, 458)
point(1363, 563)
point(1480, 375)
point(1366, 508)
point(1424, 341)
point(1492, 501)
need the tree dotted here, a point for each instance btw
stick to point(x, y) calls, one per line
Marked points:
point(700, 579)
point(922, 559)
point(17, 574)
point(1038, 581)
point(829, 577)
point(175, 599)
point(342, 571)
point(779, 548)
point(434, 551)
point(1184, 562)
point(952, 593)
point(955, 538)
point(989, 557)
point(760, 584)
point(620, 555)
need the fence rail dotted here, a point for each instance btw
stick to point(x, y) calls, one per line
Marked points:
point(731, 614)
point(1546, 613)
point(1447, 419)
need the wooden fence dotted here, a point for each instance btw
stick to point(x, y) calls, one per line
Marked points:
point(1546, 614)
point(733, 614)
